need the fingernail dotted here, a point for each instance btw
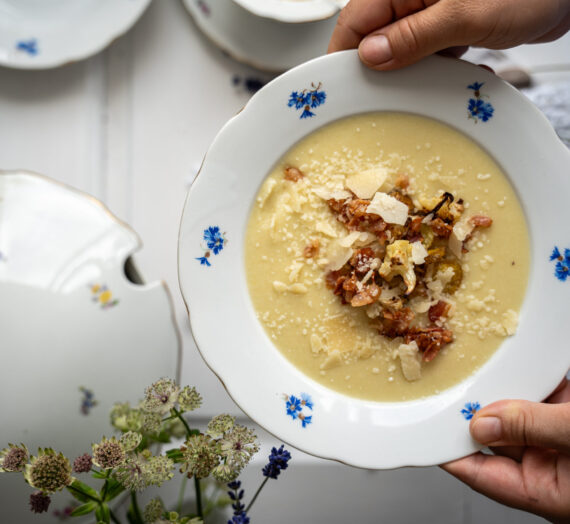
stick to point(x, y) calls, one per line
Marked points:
point(487, 429)
point(375, 50)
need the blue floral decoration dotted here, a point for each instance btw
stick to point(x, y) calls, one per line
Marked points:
point(88, 400)
point(307, 99)
point(298, 407)
point(562, 267)
point(214, 242)
point(470, 409)
point(28, 46)
point(477, 108)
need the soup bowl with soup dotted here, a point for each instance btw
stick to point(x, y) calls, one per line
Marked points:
point(368, 258)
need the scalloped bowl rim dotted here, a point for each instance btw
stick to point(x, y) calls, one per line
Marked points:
point(363, 433)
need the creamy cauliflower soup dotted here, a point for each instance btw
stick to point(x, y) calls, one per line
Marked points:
point(387, 256)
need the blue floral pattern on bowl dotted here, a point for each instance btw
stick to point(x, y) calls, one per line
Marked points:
point(28, 46)
point(470, 409)
point(477, 108)
point(562, 267)
point(213, 241)
point(299, 407)
point(307, 99)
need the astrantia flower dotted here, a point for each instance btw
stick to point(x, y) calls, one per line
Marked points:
point(153, 510)
point(189, 399)
point(134, 473)
point(238, 446)
point(39, 502)
point(49, 472)
point(278, 460)
point(82, 464)
point(224, 473)
point(200, 456)
point(480, 109)
point(109, 453)
point(214, 239)
point(220, 425)
point(161, 397)
point(130, 440)
point(14, 458)
point(160, 470)
point(151, 422)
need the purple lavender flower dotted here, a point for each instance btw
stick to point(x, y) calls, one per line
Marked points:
point(39, 502)
point(278, 460)
point(236, 495)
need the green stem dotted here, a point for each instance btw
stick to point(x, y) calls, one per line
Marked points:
point(181, 494)
point(135, 507)
point(106, 485)
point(198, 498)
point(186, 426)
point(197, 488)
point(256, 494)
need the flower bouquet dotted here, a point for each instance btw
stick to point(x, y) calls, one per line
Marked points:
point(126, 464)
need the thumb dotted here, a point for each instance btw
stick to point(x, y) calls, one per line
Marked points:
point(414, 37)
point(523, 423)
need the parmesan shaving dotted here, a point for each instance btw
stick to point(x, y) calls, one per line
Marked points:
point(366, 183)
point(389, 208)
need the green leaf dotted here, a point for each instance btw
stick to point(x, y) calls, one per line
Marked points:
point(114, 488)
point(175, 455)
point(98, 475)
point(103, 514)
point(82, 492)
point(84, 509)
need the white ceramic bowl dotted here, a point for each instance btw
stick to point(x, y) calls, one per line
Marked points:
point(364, 433)
point(41, 34)
point(76, 334)
point(293, 11)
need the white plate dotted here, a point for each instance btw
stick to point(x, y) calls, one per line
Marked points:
point(293, 11)
point(40, 34)
point(363, 433)
point(266, 44)
point(71, 319)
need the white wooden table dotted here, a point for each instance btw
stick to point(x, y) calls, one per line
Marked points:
point(130, 126)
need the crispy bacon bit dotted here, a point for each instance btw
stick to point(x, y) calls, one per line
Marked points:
point(362, 259)
point(352, 213)
point(367, 295)
point(439, 310)
point(293, 174)
point(395, 323)
point(429, 340)
point(440, 228)
point(402, 181)
point(414, 233)
point(481, 221)
point(312, 248)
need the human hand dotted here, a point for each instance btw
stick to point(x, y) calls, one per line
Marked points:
point(530, 469)
point(390, 34)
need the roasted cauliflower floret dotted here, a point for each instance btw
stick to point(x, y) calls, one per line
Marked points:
point(398, 261)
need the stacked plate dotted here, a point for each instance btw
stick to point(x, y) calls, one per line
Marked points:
point(272, 35)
